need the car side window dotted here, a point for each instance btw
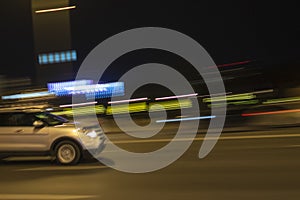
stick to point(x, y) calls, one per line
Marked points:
point(20, 119)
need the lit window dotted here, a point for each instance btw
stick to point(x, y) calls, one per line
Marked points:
point(45, 59)
point(68, 55)
point(57, 58)
point(50, 58)
point(63, 57)
point(40, 59)
point(74, 56)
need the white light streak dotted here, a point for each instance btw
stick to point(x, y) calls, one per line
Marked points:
point(185, 119)
point(55, 9)
point(128, 101)
point(78, 104)
point(176, 97)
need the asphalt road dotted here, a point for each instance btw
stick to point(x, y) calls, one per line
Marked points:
point(249, 165)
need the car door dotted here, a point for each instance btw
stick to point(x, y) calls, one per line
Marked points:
point(17, 134)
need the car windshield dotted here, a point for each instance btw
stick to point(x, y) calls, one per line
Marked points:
point(51, 120)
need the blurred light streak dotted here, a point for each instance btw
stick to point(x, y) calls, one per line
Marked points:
point(232, 70)
point(215, 95)
point(185, 119)
point(263, 91)
point(176, 97)
point(16, 82)
point(245, 96)
point(282, 100)
point(125, 108)
point(27, 95)
point(223, 94)
point(270, 112)
point(170, 105)
point(99, 109)
point(128, 101)
point(232, 64)
point(55, 9)
point(78, 104)
point(27, 106)
point(249, 102)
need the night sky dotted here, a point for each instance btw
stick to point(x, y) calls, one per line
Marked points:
point(229, 30)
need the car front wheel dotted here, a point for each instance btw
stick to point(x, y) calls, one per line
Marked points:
point(67, 153)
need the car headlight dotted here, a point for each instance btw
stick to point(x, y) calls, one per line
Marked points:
point(86, 132)
point(92, 134)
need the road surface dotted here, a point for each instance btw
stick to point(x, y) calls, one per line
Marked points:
point(248, 165)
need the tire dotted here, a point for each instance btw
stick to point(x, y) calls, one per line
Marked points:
point(67, 153)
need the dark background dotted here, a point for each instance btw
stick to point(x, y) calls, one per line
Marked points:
point(230, 31)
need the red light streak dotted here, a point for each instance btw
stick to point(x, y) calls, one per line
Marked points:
point(232, 64)
point(270, 112)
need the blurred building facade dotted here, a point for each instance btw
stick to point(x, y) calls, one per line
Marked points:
point(52, 41)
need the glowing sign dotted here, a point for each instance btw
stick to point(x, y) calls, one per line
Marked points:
point(87, 88)
point(59, 88)
point(104, 90)
point(57, 57)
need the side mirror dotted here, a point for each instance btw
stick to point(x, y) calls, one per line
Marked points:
point(38, 124)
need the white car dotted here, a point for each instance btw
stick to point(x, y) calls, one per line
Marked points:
point(28, 133)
